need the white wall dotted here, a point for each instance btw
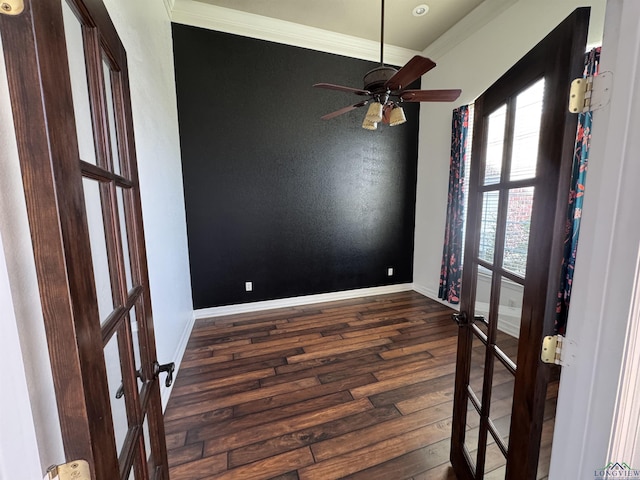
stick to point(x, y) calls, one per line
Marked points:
point(24, 311)
point(472, 65)
point(144, 28)
point(17, 431)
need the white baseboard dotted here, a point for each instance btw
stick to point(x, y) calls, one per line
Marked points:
point(297, 301)
point(165, 391)
point(509, 316)
point(433, 295)
point(509, 322)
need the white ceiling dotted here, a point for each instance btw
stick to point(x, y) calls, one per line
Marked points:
point(352, 27)
point(361, 18)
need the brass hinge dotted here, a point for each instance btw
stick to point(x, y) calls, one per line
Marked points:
point(591, 93)
point(11, 7)
point(76, 470)
point(558, 350)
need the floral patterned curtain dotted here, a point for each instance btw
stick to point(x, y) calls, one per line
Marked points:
point(576, 198)
point(451, 270)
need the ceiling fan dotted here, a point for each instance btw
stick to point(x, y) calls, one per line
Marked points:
point(385, 88)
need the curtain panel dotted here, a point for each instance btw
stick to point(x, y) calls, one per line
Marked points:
point(451, 268)
point(576, 198)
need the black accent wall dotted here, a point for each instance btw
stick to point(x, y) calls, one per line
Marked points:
point(275, 195)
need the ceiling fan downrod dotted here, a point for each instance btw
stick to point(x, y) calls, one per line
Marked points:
point(375, 80)
point(382, 36)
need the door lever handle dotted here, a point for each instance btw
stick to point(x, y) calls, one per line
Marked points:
point(168, 368)
point(460, 318)
point(120, 391)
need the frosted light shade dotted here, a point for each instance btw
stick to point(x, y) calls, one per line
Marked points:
point(367, 125)
point(397, 117)
point(374, 114)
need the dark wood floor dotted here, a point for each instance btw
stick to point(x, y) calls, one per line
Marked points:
point(358, 389)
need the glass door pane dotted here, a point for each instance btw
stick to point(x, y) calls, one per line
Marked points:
point(495, 461)
point(495, 146)
point(526, 133)
point(472, 433)
point(112, 130)
point(502, 384)
point(509, 315)
point(79, 84)
point(488, 226)
point(116, 393)
point(99, 252)
point(518, 226)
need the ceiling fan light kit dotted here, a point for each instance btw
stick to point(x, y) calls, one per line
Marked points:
point(385, 86)
point(397, 117)
point(369, 125)
point(374, 114)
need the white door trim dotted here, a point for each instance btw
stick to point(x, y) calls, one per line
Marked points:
point(603, 292)
point(625, 442)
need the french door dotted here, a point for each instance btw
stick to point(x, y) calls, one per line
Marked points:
point(68, 80)
point(521, 163)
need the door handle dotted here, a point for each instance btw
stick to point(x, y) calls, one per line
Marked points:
point(460, 318)
point(168, 368)
point(120, 391)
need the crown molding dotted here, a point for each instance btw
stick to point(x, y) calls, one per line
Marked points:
point(168, 4)
point(474, 21)
point(227, 20)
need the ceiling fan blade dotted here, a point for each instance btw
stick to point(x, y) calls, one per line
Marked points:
point(331, 115)
point(414, 69)
point(430, 95)
point(340, 88)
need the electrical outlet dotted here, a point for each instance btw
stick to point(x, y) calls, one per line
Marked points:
point(248, 286)
point(390, 272)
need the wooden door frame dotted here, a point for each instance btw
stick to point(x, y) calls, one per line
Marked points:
point(59, 232)
point(552, 185)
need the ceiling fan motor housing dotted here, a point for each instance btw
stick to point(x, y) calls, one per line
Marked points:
point(375, 79)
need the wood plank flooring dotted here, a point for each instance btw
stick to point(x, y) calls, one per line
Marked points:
point(358, 389)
